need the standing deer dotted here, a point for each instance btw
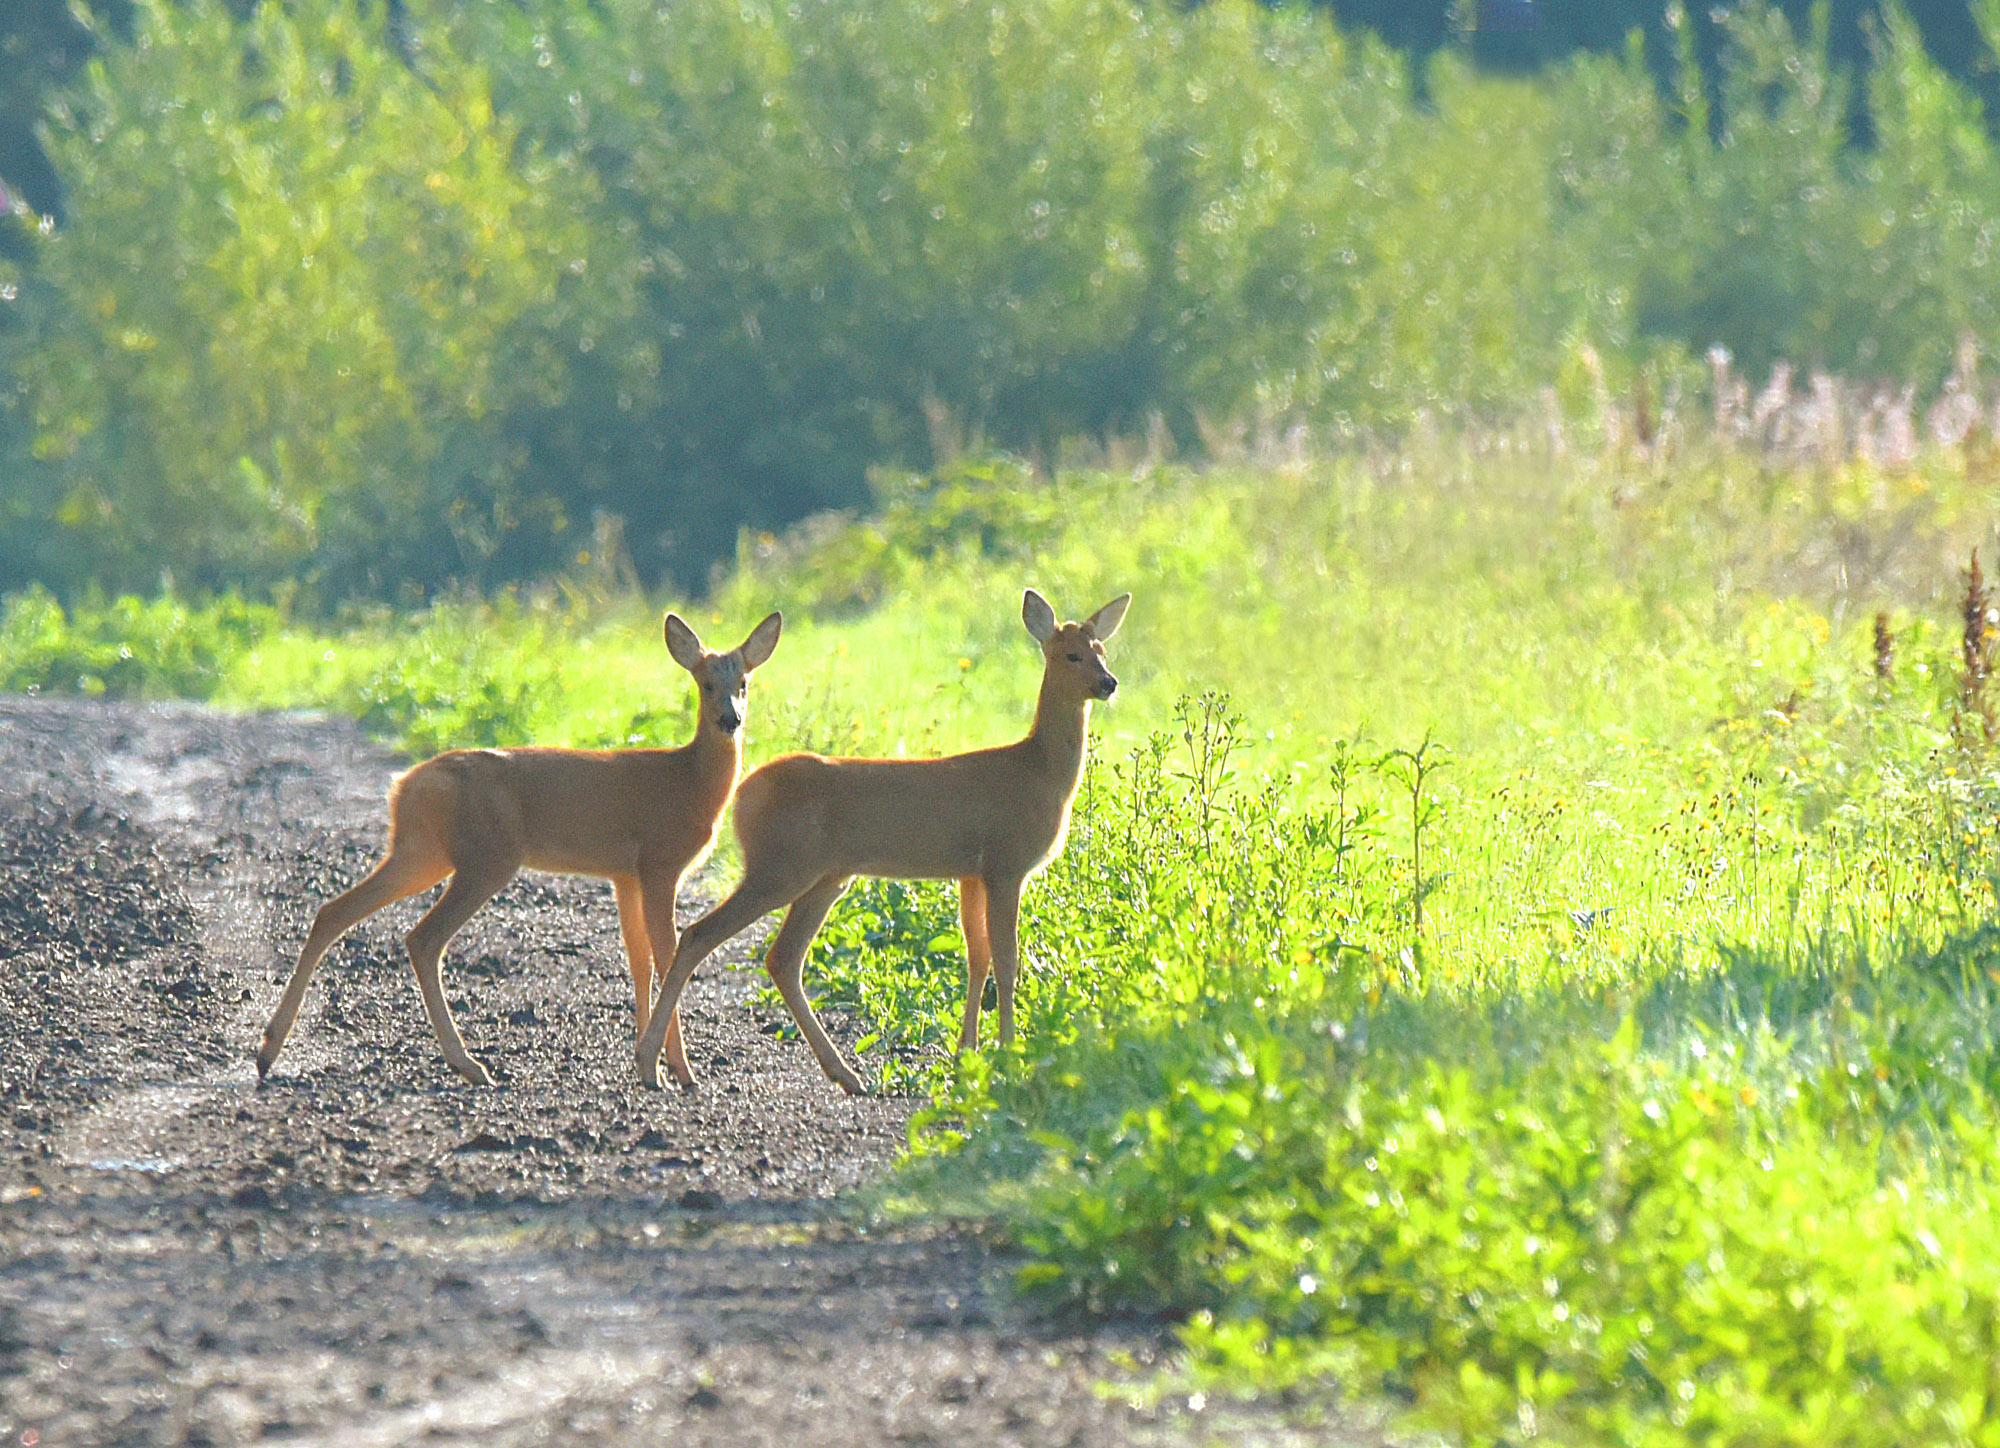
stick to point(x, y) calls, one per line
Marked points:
point(988, 819)
point(640, 818)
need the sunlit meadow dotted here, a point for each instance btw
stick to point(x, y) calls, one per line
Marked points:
point(1526, 943)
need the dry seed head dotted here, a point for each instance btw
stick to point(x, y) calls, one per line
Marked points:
point(1972, 613)
point(1976, 653)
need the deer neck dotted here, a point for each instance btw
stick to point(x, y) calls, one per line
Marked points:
point(1060, 733)
point(716, 757)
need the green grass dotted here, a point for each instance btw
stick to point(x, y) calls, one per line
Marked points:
point(1628, 1076)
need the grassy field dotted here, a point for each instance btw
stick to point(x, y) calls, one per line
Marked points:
point(1528, 945)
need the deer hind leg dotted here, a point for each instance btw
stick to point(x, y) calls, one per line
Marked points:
point(978, 955)
point(1003, 920)
point(470, 888)
point(786, 962)
point(403, 872)
point(750, 901)
point(659, 895)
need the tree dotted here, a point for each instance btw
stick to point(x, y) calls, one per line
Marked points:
point(299, 288)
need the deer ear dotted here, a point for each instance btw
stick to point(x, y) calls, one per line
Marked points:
point(1038, 616)
point(763, 638)
point(682, 642)
point(1104, 623)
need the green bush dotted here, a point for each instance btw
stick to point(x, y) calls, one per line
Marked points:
point(126, 648)
point(1515, 1210)
point(302, 296)
point(334, 313)
point(1599, 1248)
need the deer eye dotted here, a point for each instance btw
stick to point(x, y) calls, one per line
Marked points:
point(1076, 658)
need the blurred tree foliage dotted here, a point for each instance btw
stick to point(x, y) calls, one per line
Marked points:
point(303, 305)
point(1533, 33)
point(366, 308)
point(42, 43)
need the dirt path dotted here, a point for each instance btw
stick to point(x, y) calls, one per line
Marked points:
point(367, 1251)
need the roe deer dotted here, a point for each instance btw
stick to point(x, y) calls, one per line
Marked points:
point(988, 819)
point(637, 817)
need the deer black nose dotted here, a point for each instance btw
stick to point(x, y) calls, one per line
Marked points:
point(1107, 686)
point(730, 721)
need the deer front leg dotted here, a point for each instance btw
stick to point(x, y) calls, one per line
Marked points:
point(659, 893)
point(638, 948)
point(978, 955)
point(1003, 921)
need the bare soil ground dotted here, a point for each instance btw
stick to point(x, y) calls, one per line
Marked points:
point(367, 1251)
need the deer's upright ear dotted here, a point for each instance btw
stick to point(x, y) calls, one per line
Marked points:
point(1104, 623)
point(1038, 616)
point(763, 638)
point(682, 642)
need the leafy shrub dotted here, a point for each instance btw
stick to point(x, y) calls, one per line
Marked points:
point(699, 268)
point(164, 648)
point(302, 295)
point(1518, 1212)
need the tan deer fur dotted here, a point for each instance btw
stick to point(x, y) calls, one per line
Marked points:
point(989, 819)
point(640, 818)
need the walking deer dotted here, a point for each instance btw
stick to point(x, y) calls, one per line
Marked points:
point(640, 818)
point(989, 819)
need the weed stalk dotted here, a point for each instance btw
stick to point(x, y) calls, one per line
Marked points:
point(1976, 658)
point(1415, 767)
